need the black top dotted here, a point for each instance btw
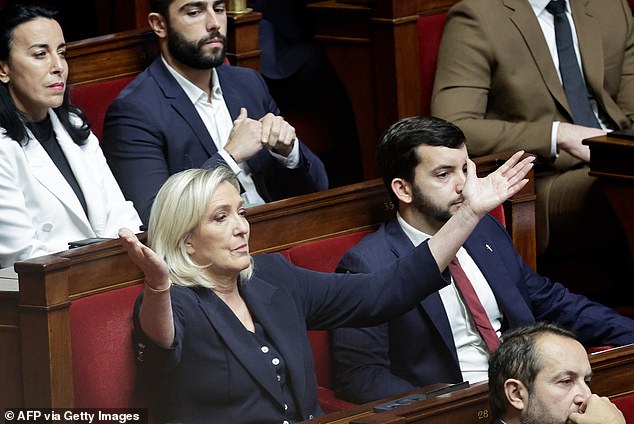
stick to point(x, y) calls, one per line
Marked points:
point(44, 133)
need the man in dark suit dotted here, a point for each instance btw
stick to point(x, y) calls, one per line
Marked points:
point(189, 109)
point(423, 161)
point(540, 374)
point(499, 79)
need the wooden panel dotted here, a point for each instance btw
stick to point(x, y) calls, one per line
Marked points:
point(611, 160)
point(10, 352)
point(382, 77)
point(110, 56)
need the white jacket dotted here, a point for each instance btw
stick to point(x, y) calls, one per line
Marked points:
point(39, 211)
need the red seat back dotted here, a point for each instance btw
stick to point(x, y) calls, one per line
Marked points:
point(104, 367)
point(498, 213)
point(626, 405)
point(94, 98)
point(323, 255)
point(429, 34)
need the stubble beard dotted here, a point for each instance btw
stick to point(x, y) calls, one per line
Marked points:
point(425, 206)
point(191, 53)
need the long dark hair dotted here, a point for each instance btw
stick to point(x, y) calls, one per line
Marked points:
point(11, 120)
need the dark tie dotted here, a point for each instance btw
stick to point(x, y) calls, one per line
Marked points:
point(574, 84)
point(478, 314)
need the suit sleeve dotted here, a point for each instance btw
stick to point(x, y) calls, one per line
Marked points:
point(361, 355)
point(625, 96)
point(134, 147)
point(593, 323)
point(463, 87)
point(281, 182)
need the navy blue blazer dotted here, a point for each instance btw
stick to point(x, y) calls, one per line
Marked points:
point(152, 130)
point(214, 373)
point(417, 349)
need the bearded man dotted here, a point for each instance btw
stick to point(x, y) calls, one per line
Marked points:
point(540, 375)
point(449, 336)
point(189, 109)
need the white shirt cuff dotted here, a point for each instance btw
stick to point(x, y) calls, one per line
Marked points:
point(232, 163)
point(292, 160)
point(554, 152)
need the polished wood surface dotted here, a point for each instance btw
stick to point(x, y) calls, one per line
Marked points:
point(613, 377)
point(611, 157)
point(612, 160)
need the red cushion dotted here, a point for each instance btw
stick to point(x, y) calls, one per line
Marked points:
point(329, 402)
point(104, 367)
point(94, 98)
point(429, 34)
point(498, 213)
point(324, 255)
point(595, 349)
point(626, 405)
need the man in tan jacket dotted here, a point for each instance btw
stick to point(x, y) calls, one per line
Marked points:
point(498, 79)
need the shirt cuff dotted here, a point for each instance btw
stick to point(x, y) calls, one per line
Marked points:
point(554, 152)
point(292, 160)
point(230, 161)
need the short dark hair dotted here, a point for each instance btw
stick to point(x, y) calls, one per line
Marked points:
point(17, 13)
point(396, 151)
point(517, 358)
point(161, 7)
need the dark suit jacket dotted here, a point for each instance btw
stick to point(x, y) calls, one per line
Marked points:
point(152, 130)
point(417, 349)
point(215, 374)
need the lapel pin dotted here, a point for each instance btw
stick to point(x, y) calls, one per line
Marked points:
point(488, 247)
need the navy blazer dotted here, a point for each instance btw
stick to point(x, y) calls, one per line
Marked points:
point(417, 349)
point(152, 130)
point(214, 373)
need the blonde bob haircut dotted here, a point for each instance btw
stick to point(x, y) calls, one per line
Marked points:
point(178, 208)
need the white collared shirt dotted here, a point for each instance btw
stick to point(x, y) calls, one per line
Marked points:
point(473, 355)
point(215, 115)
point(547, 23)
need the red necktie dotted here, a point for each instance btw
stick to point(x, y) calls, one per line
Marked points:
point(479, 315)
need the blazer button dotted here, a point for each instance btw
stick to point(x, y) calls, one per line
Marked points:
point(47, 227)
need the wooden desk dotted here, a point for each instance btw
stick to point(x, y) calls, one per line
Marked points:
point(613, 377)
point(612, 160)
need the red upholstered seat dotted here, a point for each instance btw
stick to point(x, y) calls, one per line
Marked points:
point(498, 213)
point(626, 405)
point(429, 34)
point(94, 98)
point(324, 255)
point(104, 367)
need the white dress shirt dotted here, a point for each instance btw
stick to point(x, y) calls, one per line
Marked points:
point(215, 115)
point(547, 23)
point(473, 355)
